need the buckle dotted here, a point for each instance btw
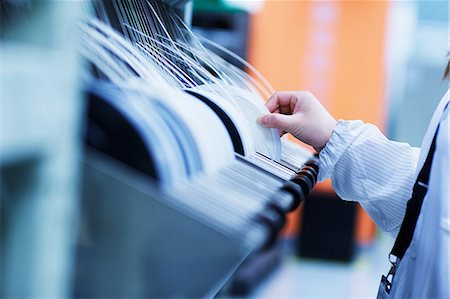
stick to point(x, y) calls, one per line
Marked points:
point(389, 278)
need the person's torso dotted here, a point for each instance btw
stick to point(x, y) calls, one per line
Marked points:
point(424, 268)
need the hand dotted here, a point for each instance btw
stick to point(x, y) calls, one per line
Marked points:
point(302, 115)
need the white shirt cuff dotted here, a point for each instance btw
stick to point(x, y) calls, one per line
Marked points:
point(343, 135)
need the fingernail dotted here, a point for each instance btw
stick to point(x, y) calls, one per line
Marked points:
point(263, 120)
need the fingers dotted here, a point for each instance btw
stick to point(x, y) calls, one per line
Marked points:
point(279, 102)
point(273, 103)
point(284, 102)
point(300, 114)
point(279, 121)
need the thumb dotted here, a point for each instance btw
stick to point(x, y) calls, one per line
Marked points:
point(276, 120)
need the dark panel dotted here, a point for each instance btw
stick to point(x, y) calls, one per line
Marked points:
point(328, 227)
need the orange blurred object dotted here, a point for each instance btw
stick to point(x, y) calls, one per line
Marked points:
point(335, 49)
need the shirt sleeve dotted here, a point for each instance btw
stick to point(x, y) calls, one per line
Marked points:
point(367, 167)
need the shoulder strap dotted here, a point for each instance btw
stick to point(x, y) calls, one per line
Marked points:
point(414, 205)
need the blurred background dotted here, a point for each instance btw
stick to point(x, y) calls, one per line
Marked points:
point(379, 61)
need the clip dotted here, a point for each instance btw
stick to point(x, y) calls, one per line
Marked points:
point(389, 278)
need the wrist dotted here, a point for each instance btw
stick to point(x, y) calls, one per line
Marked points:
point(326, 134)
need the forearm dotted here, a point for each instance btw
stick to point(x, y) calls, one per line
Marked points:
point(367, 167)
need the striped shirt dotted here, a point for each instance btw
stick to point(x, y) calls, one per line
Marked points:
point(379, 173)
